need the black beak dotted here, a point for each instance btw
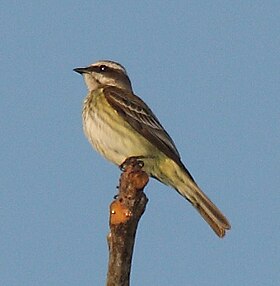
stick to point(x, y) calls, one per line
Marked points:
point(81, 70)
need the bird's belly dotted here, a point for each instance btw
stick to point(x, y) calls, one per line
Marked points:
point(113, 137)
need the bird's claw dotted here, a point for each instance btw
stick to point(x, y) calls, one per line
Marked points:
point(132, 161)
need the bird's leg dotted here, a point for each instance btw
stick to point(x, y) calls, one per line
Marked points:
point(133, 161)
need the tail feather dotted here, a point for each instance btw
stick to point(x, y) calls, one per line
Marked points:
point(211, 214)
point(176, 175)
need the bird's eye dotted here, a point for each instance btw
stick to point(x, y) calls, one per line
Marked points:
point(103, 68)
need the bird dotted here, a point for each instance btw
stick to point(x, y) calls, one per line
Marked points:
point(120, 125)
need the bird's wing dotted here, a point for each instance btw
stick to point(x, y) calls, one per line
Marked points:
point(142, 119)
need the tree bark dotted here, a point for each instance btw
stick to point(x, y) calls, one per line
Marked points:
point(125, 213)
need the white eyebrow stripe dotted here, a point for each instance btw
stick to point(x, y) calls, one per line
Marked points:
point(110, 64)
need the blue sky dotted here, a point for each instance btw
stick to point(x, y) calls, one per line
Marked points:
point(209, 70)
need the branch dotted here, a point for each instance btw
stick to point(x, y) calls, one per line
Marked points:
point(125, 213)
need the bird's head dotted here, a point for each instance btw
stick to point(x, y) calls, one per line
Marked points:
point(104, 73)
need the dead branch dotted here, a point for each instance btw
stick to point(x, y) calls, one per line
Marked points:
point(125, 213)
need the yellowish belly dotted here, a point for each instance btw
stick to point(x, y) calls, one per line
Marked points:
point(110, 134)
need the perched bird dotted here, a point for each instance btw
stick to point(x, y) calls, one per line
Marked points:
point(119, 125)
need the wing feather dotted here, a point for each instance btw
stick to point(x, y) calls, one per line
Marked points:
point(142, 119)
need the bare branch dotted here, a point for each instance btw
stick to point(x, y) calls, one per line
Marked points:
point(125, 213)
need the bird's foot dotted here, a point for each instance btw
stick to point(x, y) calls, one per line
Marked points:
point(134, 161)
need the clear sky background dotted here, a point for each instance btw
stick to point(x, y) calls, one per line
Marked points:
point(210, 70)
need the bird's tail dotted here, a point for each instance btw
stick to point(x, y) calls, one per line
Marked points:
point(211, 214)
point(186, 186)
